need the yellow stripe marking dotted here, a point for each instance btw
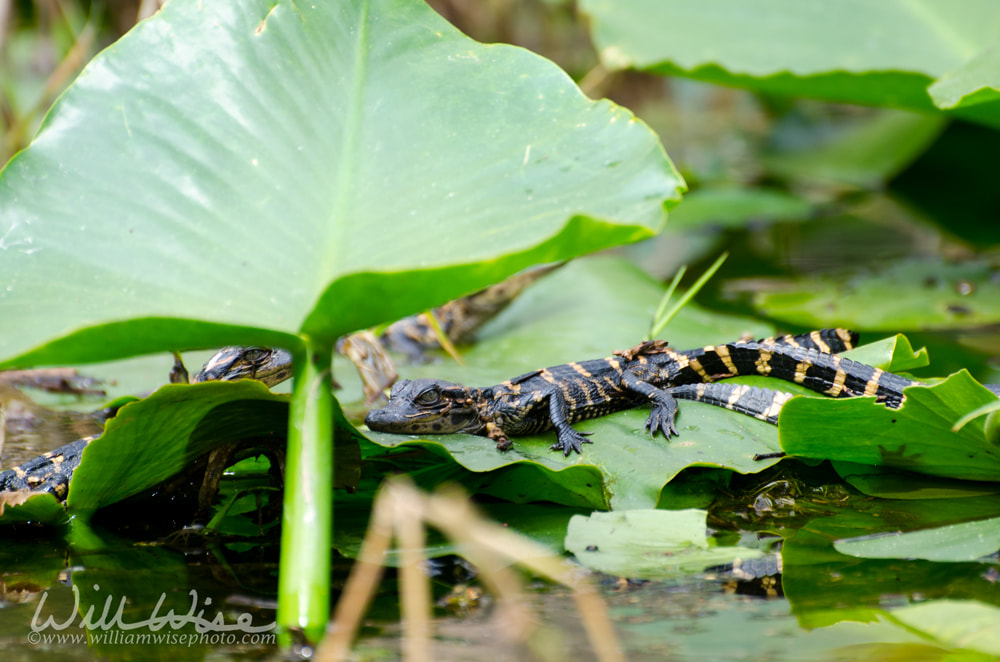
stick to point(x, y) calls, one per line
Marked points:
point(838, 384)
point(871, 388)
point(723, 353)
point(779, 400)
point(791, 341)
point(695, 365)
point(818, 339)
point(735, 396)
point(838, 378)
point(763, 362)
point(613, 362)
point(547, 376)
point(580, 369)
point(570, 399)
point(845, 336)
point(800, 371)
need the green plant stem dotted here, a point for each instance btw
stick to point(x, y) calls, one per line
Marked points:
point(662, 322)
point(307, 522)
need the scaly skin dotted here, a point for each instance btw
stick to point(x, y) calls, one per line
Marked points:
point(556, 397)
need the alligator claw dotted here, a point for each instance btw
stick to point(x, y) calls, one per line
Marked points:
point(662, 419)
point(570, 440)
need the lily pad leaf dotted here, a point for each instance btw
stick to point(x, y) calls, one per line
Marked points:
point(963, 624)
point(648, 544)
point(31, 508)
point(159, 437)
point(916, 437)
point(892, 354)
point(915, 294)
point(304, 169)
point(976, 81)
point(884, 53)
point(967, 541)
point(727, 207)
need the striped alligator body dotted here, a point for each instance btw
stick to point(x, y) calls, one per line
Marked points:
point(553, 398)
point(47, 473)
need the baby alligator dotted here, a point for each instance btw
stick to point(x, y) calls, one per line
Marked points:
point(650, 372)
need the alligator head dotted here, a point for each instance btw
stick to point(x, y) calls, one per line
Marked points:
point(428, 406)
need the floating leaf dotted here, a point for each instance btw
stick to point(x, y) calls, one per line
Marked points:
point(966, 541)
point(648, 544)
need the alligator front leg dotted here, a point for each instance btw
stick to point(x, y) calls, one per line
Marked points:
point(568, 438)
point(664, 405)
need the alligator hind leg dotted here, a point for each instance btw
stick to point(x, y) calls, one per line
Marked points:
point(664, 405)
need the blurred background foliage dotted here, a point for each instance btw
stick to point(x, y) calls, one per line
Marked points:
point(818, 202)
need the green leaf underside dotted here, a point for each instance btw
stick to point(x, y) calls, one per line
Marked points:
point(647, 544)
point(883, 53)
point(255, 221)
point(916, 437)
point(919, 294)
point(154, 439)
point(966, 541)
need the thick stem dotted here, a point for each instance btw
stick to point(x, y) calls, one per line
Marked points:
point(307, 521)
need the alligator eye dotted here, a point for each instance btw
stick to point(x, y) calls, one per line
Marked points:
point(254, 354)
point(429, 397)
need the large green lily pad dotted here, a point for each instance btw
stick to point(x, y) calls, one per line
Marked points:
point(242, 173)
point(880, 53)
